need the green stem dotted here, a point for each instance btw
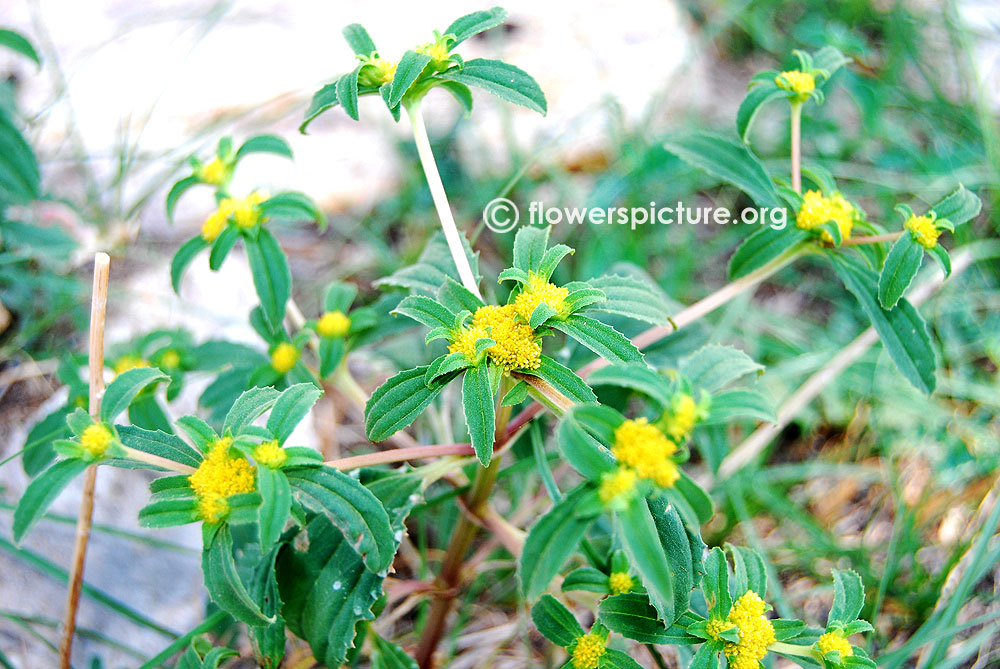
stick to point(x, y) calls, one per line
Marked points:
point(791, 649)
point(796, 123)
point(448, 226)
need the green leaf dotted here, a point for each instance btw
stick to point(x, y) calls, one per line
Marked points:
point(125, 387)
point(324, 99)
point(616, 659)
point(939, 254)
point(264, 144)
point(675, 546)
point(19, 175)
point(901, 265)
point(251, 404)
point(472, 24)
point(530, 243)
point(41, 492)
point(169, 512)
point(902, 329)
point(582, 450)
point(762, 247)
point(564, 380)
point(223, 580)
point(358, 39)
point(638, 377)
point(398, 402)
point(407, 71)
point(712, 367)
point(586, 578)
point(20, 44)
point(459, 91)
point(38, 451)
point(222, 245)
point(829, 59)
point(503, 80)
point(290, 408)
point(276, 504)
point(631, 615)
point(426, 311)
point(638, 534)
point(959, 207)
point(386, 655)
point(748, 571)
point(271, 277)
point(629, 297)
point(729, 405)
point(715, 584)
point(599, 337)
point(707, 656)
point(727, 160)
point(347, 92)
point(351, 507)
point(160, 444)
point(480, 411)
point(293, 205)
point(433, 268)
point(552, 540)
point(699, 500)
point(755, 99)
point(555, 622)
point(176, 191)
point(848, 596)
point(185, 254)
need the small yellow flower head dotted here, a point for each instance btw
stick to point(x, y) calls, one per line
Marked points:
point(333, 324)
point(127, 362)
point(219, 476)
point(681, 419)
point(381, 72)
point(516, 345)
point(170, 359)
point(619, 582)
point(817, 210)
point(96, 439)
point(540, 292)
point(436, 50)
point(756, 632)
point(588, 652)
point(214, 172)
point(923, 231)
point(834, 641)
point(796, 81)
point(270, 454)
point(283, 357)
point(213, 226)
point(617, 486)
point(644, 448)
point(246, 213)
point(715, 627)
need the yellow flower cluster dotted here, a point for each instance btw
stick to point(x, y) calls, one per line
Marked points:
point(756, 632)
point(645, 449)
point(817, 210)
point(796, 81)
point(834, 641)
point(127, 362)
point(333, 324)
point(681, 418)
point(218, 476)
point(170, 359)
point(617, 485)
point(619, 582)
point(283, 357)
point(540, 292)
point(923, 231)
point(214, 172)
point(435, 50)
point(715, 627)
point(516, 345)
point(96, 439)
point(242, 210)
point(270, 454)
point(588, 652)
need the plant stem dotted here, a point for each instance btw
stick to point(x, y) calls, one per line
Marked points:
point(873, 239)
point(98, 312)
point(451, 234)
point(157, 461)
point(399, 455)
point(790, 649)
point(796, 123)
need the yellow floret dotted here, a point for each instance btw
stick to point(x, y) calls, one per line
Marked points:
point(245, 211)
point(796, 81)
point(923, 231)
point(617, 485)
point(619, 582)
point(715, 627)
point(682, 418)
point(219, 476)
point(213, 226)
point(645, 449)
point(170, 359)
point(817, 210)
point(385, 70)
point(540, 292)
point(834, 641)
point(270, 454)
point(283, 357)
point(213, 172)
point(588, 652)
point(96, 439)
point(127, 362)
point(756, 632)
point(333, 324)
point(436, 51)
point(516, 345)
